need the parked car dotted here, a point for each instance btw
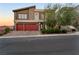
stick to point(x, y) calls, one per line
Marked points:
point(69, 28)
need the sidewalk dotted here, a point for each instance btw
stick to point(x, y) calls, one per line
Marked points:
point(22, 33)
point(41, 35)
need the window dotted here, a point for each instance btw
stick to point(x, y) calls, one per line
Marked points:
point(32, 16)
point(22, 16)
point(41, 16)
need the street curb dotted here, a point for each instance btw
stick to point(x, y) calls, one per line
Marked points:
point(44, 35)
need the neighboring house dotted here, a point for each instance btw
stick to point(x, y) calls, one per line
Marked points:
point(28, 19)
point(2, 29)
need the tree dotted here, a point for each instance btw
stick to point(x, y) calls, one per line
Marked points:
point(52, 15)
point(50, 20)
point(60, 14)
point(68, 14)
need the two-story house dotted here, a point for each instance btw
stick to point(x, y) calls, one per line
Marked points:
point(28, 19)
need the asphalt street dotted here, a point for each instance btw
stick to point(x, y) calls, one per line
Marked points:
point(49, 45)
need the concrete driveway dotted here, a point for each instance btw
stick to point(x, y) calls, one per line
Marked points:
point(22, 33)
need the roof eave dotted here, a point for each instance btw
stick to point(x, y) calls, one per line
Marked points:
point(23, 8)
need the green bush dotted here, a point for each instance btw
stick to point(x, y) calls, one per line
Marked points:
point(57, 31)
point(51, 31)
point(47, 31)
point(43, 31)
point(7, 30)
point(64, 31)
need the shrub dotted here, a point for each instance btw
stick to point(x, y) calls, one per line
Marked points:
point(7, 30)
point(57, 31)
point(43, 31)
point(51, 31)
point(64, 31)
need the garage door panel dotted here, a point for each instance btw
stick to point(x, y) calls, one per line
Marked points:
point(34, 27)
point(31, 27)
point(19, 27)
point(27, 27)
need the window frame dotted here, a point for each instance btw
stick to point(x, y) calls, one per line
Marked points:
point(41, 15)
point(23, 16)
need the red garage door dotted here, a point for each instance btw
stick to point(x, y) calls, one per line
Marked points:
point(27, 27)
point(31, 27)
point(19, 27)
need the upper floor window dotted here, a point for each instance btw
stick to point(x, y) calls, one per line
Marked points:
point(32, 16)
point(22, 16)
point(41, 16)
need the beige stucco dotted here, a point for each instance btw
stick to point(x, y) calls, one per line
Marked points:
point(36, 15)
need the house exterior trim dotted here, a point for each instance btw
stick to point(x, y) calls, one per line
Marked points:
point(29, 21)
point(25, 8)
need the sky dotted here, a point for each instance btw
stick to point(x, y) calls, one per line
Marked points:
point(6, 14)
